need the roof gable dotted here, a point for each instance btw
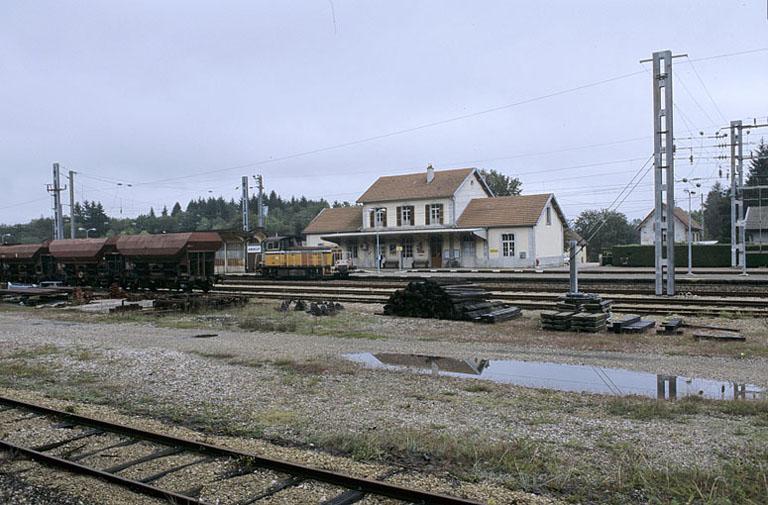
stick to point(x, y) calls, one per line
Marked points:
point(520, 210)
point(679, 213)
point(757, 218)
point(415, 186)
point(336, 219)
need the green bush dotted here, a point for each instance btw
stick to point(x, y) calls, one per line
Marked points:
point(717, 255)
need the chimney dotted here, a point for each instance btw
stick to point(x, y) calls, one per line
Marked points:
point(430, 173)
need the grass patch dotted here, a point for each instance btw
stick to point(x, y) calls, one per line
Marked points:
point(647, 409)
point(214, 354)
point(643, 409)
point(744, 408)
point(277, 417)
point(264, 324)
point(34, 352)
point(11, 371)
point(83, 354)
point(478, 388)
point(527, 465)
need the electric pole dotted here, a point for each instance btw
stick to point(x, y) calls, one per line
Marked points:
point(72, 204)
point(664, 173)
point(738, 247)
point(260, 211)
point(246, 224)
point(55, 189)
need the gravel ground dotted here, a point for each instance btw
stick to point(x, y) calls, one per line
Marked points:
point(297, 389)
point(56, 482)
point(16, 491)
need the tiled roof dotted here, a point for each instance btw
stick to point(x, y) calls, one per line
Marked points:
point(680, 214)
point(415, 186)
point(522, 210)
point(757, 218)
point(338, 219)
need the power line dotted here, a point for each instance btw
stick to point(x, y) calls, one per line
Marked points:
point(706, 90)
point(399, 132)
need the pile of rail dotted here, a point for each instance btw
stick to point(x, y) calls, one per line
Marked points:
point(586, 312)
point(322, 308)
point(191, 302)
point(147, 462)
point(448, 300)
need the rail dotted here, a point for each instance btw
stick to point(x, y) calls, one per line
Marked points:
point(350, 486)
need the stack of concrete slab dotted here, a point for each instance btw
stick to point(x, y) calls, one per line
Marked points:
point(556, 320)
point(632, 324)
point(583, 302)
point(586, 312)
point(589, 322)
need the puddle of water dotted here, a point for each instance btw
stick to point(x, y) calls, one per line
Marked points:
point(561, 377)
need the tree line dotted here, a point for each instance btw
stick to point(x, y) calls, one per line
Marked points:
point(603, 228)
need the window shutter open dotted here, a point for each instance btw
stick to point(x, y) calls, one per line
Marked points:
point(373, 217)
point(399, 216)
point(442, 215)
point(426, 214)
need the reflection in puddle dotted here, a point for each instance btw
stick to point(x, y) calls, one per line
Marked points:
point(575, 378)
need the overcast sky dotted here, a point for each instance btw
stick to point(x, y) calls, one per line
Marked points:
point(169, 96)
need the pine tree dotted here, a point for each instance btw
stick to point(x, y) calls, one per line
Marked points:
point(757, 176)
point(717, 214)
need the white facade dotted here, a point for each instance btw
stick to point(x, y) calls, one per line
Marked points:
point(418, 242)
point(648, 235)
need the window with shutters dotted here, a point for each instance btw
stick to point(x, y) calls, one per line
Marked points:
point(406, 216)
point(380, 217)
point(508, 244)
point(435, 214)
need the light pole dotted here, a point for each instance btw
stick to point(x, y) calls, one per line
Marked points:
point(372, 212)
point(87, 231)
point(690, 239)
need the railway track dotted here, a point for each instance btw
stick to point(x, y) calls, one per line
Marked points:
point(150, 463)
point(379, 292)
point(694, 286)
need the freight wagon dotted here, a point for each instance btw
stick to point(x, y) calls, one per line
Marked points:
point(173, 261)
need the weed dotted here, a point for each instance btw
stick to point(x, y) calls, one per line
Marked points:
point(478, 388)
point(214, 355)
point(263, 324)
point(743, 408)
point(640, 409)
point(34, 352)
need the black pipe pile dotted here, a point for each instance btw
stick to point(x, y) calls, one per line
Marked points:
point(448, 300)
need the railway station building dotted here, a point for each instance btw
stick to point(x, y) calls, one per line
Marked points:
point(443, 219)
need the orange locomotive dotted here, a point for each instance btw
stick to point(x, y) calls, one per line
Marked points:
point(305, 262)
